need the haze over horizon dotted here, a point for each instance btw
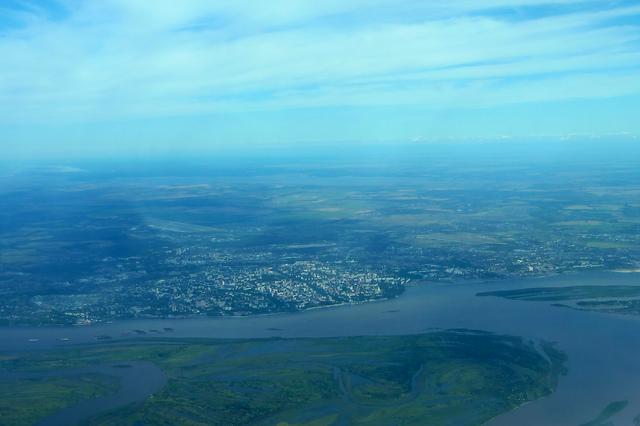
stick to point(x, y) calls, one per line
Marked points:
point(319, 213)
point(121, 76)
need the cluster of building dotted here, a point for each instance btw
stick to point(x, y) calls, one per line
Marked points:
point(198, 279)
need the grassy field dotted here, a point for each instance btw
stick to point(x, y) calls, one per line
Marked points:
point(24, 401)
point(450, 377)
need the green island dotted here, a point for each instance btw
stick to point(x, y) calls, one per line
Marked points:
point(605, 415)
point(618, 299)
point(444, 377)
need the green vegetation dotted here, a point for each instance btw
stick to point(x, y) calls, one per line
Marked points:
point(104, 245)
point(450, 377)
point(609, 411)
point(24, 401)
point(619, 299)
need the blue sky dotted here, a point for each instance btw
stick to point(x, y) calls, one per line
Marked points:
point(106, 75)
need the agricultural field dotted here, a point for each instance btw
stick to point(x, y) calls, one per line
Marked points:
point(106, 243)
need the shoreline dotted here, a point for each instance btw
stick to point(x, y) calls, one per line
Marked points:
point(411, 283)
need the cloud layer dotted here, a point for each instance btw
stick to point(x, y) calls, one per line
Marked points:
point(83, 60)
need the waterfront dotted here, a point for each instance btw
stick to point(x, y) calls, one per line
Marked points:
point(602, 348)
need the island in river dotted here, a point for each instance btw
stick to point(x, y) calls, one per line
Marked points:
point(443, 377)
point(602, 365)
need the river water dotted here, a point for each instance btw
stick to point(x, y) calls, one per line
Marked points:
point(603, 349)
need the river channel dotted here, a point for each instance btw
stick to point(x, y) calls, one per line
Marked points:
point(603, 349)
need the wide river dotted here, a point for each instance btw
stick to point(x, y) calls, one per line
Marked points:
point(603, 349)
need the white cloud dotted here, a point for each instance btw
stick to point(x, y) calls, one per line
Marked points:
point(118, 58)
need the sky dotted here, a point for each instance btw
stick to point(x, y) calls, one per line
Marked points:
point(155, 76)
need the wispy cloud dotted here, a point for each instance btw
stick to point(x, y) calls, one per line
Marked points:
point(72, 59)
